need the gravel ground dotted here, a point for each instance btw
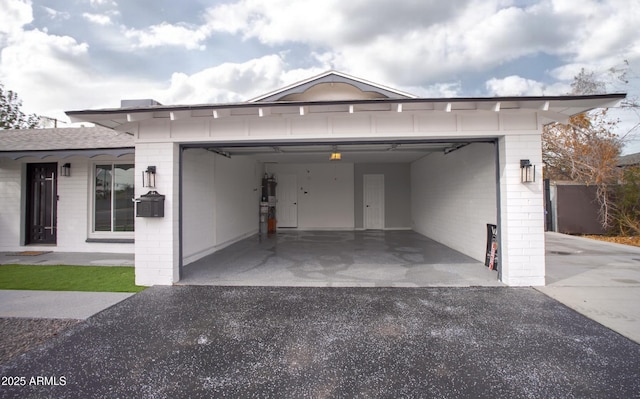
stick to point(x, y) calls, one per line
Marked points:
point(20, 335)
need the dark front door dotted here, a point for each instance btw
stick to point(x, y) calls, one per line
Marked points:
point(42, 202)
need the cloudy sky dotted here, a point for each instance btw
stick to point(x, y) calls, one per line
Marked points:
point(79, 54)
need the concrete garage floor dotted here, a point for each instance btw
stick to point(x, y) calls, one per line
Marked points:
point(301, 342)
point(339, 259)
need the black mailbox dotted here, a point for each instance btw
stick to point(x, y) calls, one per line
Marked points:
point(150, 205)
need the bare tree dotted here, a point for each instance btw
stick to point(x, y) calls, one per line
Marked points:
point(586, 82)
point(586, 149)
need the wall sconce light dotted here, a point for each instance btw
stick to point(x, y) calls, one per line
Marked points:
point(149, 177)
point(527, 171)
point(335, 155)
point(65, 170)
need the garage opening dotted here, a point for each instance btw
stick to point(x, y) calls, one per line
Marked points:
point(386, 213)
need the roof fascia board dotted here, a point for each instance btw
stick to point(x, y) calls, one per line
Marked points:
point(600, 98)
point(89, 153)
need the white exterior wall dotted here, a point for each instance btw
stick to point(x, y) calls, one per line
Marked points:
point(220, 201)
point(453, 197)
point(74, 216)
point(10, 204)
point(329, 199)
point(237, 199)
point(522, 212)
point(199, 205)
point(157, 245)
point(521, 228)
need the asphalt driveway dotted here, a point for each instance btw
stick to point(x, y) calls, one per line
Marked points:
point(287, 342)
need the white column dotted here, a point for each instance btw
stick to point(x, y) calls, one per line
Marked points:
point(522, 212)
point(157, 238)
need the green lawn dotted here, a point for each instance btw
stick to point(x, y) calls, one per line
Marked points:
point(68, 278)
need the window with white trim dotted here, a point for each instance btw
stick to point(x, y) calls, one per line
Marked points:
point(113, 207)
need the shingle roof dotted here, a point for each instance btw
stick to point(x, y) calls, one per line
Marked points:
point(80, 138)
point(629, 160)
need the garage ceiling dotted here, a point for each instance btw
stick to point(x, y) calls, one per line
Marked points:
point(352, 153)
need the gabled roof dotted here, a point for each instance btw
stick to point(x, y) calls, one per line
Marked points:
point(64, 142)
point(353, 88)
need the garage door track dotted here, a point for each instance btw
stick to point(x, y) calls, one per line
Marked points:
point(170, 342)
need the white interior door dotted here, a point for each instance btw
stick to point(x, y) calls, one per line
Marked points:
point(373, 190)
point(287, 200)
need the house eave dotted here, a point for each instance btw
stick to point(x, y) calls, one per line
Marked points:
point(563, 106)
point(66, 153)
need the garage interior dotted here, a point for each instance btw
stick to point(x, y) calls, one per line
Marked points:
point(357, 213)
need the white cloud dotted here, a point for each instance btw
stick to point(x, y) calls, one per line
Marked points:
point(14, 15)
point(438, 90)
point(55, 14)
point(53, 73)
point(604, 32)
point(101, 3)
point(166, 34)
point(425, 41)
point(100, 19)
point(233, 82)
point(413, 41)
point(425, 47)
point(330, 22)
point(518, 86)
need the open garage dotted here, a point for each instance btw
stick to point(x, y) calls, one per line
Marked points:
point(347, 156)
point(395, 213)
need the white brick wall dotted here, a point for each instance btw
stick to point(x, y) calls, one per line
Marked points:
point(10, 204)
point(74, 213)
point(199, 205)
point(329, 199)
point(220, 201)
point(453, 197)
point(522, 212)
point(237, 190)
point(157, 239)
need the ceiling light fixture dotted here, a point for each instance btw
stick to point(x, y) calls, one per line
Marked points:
point(335, 155)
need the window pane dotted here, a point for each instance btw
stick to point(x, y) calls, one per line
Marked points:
point(123, 218)
point(102, 204)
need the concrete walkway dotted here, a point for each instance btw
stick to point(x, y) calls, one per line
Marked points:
point(597, 279)
point(56, 304)
point(66, 258)
point(60, 304)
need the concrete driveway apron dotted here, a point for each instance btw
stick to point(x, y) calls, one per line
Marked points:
point(598, 279)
